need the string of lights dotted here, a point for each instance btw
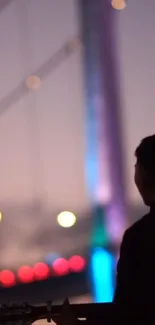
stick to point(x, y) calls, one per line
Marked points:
point(42, 271)
point(33, 81)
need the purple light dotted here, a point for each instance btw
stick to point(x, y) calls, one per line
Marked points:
point(115, 223)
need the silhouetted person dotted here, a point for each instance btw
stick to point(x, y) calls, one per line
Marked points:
point(136, 266)
point(135, 283)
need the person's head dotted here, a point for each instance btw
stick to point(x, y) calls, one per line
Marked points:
point(145, 169)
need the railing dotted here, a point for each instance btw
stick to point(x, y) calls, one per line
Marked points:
point(107, 313)
point(29, 313)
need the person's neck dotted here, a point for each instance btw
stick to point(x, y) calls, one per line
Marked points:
point(152, 206)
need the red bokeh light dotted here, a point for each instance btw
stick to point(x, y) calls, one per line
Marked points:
point(41, 271)
point(25, 274)
point(77, 263)
point(7, 278)
point(60, 266)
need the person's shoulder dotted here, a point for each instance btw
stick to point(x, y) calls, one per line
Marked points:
point(137, 228)
point(139, 224)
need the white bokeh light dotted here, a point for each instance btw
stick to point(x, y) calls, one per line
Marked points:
point(66, 219)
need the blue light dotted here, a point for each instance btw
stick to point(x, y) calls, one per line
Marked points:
point(102, 264)
point(91, 162)
point(51, 257)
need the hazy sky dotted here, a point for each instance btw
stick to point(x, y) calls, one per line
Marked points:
point(42, 137)
point(136, 50)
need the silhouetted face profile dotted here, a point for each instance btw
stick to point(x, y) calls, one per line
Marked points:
point(140, 183)
point(145, 169)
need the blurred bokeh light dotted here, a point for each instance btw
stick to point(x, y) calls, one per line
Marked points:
point(61, 267)
point(77, 263)
point(41, 271)
point(66, 219)
point(7, 278)
point(118, 4)
point(26, 274)
point(33, 82)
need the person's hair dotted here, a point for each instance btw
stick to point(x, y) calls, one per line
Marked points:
point(145, 154)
